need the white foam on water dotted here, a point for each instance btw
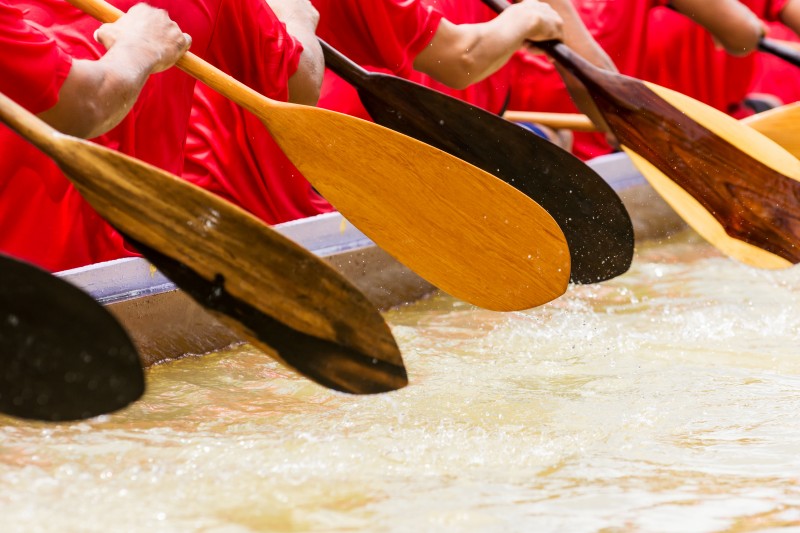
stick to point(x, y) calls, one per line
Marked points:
point(665, 400)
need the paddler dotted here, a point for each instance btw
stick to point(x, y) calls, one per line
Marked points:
point(43, 217)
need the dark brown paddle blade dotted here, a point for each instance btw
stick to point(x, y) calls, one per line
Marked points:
point(779, 50)
point(594, 221)
point(332, 365)
point(753, 202)
point(229, 253)
point(63, 356)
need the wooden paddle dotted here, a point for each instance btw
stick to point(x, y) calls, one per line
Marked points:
point(781, 124)
point(591, 215)
point(63, 356)
point(460, 228)
point(271, 291)
point(734, 186)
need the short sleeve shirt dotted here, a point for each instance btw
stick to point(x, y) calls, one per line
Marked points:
point(33, 66)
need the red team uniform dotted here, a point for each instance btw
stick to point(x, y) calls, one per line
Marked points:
point(44, 219)
point(682, 55)
point(620, 27)
point(232, 154)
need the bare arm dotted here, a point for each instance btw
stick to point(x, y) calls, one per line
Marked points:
point(97, 95)
point(460, 55)
point(301, 21)
point(790, 15)
point(731, 23)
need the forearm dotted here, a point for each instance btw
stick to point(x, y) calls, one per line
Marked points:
point(790, 16)
point(473, 51)
point(301, 21)
point(731, 23)
point(460, 55)
point(97, 95)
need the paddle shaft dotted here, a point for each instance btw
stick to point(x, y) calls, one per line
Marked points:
point(566, 121)
point(780, 50)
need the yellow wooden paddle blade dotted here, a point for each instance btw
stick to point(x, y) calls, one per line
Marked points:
point(463, 230)
point(781, 124)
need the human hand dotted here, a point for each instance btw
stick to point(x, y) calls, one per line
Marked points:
point(156, 39)
point(544, 22)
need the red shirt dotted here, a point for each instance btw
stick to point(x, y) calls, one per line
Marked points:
point(382, 36)
point(232, 154)
point(33, 66)
point(682, 55)
point(620, 27)
point(44, 219)
point(772, 74)
point(491, 93)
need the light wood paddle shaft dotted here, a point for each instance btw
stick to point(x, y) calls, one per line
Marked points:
point(558, 121)
point(264, 286)
point(781, 124)
point(460, 228)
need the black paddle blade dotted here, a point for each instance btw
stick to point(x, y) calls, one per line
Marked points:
point(63, 356)
point(332, 365)
point(591, 215)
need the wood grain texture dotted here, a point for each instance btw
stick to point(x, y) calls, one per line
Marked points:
point(746, 184)
point(63, 356)
point(460, 228)
point(595, 223)
point(266, 286)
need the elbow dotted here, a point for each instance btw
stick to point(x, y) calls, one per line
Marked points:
point(458, 74)
point(745, 41)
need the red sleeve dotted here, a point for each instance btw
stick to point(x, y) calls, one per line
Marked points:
point(386, 34)
point(32, 66)
point(253, 46)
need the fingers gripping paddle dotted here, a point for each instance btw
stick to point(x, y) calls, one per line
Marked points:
point(591, 215)
point(268, 289)
point(460, 228)
point(62, 355)
point(735, 187)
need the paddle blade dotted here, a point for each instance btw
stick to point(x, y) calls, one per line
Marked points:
point(227, 249)
point(460, 228)
point(747, 184)
point(231, 256)
point(781, 124)
point(593, 218)
point(330, 364)
point(62, 355)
